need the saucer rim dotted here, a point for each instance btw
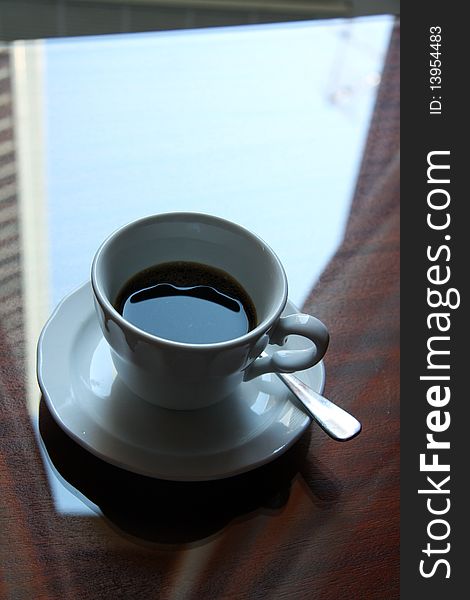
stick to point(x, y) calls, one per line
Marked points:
point(243, 468)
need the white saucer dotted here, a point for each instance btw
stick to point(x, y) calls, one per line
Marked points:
point(88, 401)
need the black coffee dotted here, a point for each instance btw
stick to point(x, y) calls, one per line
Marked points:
point(187, 302)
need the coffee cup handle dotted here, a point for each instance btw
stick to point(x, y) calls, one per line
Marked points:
point(289, 361)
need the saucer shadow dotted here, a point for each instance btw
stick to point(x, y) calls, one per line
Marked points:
point(169, 512)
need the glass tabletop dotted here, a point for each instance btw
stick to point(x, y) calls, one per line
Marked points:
point(264, 125)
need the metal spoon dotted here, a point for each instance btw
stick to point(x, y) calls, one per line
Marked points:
point(335, 421)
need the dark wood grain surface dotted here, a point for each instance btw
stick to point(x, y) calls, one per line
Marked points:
point(321, 522)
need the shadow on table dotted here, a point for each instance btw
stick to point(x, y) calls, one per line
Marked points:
point(173, 512)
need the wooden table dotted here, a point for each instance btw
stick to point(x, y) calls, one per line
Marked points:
point(320, 522)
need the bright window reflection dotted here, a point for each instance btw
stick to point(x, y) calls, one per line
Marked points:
point(263, 125)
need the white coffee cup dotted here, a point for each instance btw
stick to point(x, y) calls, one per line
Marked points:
point(178, 375)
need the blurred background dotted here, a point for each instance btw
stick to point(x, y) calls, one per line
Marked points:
point(30, 19)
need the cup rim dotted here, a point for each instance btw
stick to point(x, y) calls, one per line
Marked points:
point(107, 306)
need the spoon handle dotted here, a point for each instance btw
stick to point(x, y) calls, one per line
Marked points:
point(335, 421)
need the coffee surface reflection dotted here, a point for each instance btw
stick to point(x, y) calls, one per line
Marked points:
point(187, 302)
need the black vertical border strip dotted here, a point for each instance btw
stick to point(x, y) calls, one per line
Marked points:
point(422, 133)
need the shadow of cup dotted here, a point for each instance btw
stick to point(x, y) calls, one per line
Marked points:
point(168, 512)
